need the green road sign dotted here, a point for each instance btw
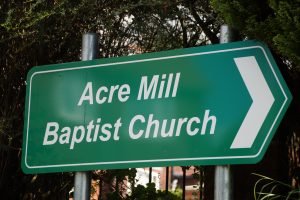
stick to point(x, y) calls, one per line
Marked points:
point(218, 104)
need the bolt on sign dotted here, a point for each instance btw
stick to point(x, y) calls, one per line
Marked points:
point(211, 105)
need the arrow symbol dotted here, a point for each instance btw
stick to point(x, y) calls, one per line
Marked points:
point(262, 101)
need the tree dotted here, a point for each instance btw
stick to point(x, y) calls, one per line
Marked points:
point(275, 22)
point(41, 32)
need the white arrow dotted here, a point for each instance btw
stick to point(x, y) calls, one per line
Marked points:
point(262, 102)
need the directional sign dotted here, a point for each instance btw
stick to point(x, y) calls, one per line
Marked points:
point(218, 104)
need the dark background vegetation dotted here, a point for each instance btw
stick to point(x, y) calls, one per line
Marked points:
point(37, 32)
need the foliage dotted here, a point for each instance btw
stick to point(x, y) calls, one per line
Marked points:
point(268, 188)
point(145, 193)
point(116, 180)
point(200, 175)
point(38, 32)
point(118, 190)
point(275, 22)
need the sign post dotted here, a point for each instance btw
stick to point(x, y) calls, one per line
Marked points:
point(82, 181)
point(212, 105)
point(223, 174)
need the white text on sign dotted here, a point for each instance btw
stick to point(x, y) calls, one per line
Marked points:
point(140, 126)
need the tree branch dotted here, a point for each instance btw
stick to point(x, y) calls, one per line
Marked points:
point(209, 34)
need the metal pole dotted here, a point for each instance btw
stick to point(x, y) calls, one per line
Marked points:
point(183, 182)
point(82, 186)
point(223, 183)
point(201, 181)
point(100, 188)
point(89, 46)
point(223, 174)
point(167, 179)
point(150, 174)
point(228, 34)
